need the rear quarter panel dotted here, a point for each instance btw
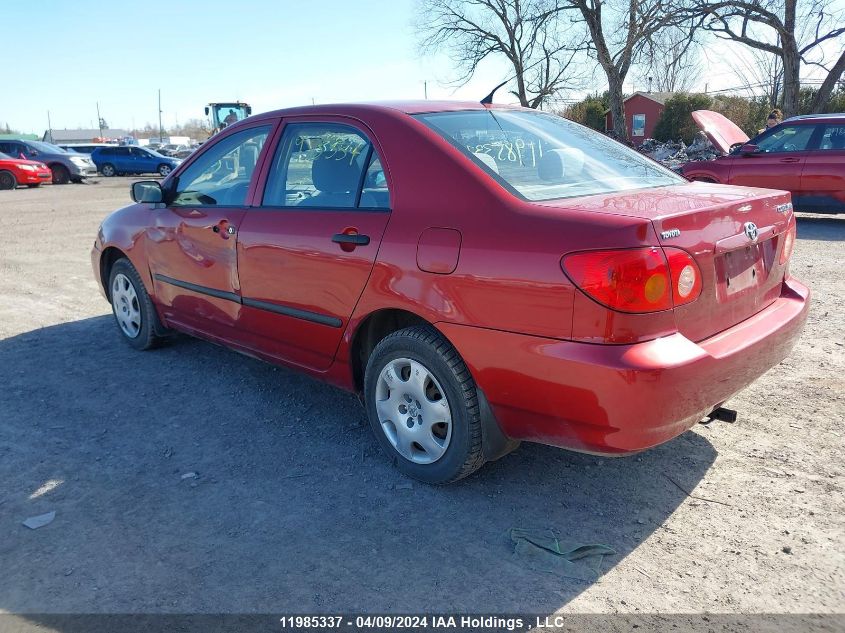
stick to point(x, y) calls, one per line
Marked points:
point(508, 276)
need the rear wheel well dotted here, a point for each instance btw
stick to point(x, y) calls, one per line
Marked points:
point(372, 330)
point(107, 260)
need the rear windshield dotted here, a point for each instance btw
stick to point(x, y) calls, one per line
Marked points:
point(540, 156)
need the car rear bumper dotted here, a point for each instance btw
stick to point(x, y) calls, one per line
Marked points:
point(618, 399)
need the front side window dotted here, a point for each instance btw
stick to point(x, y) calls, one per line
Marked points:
point(538, 156)
point(787, 138)
point(220, 176)
point(325, 165)
point(638, 125)
point(833, 137)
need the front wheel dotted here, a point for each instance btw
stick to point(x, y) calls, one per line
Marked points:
point(164, 169)
point(107, 170)
point(423, 407)
point(132, 307)
point(8, 180)
point(61, 176)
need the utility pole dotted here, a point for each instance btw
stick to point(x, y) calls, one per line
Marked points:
point(49, 127)
point(425, 89)
point(160, 126)
point(99, 120)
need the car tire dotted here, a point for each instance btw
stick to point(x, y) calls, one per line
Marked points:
point(8, 180)
point(409, 375)
point(61, 176)
point(134, 312)
point(164, 170)
point(107, 170)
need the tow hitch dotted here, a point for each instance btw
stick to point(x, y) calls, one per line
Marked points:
point(720, 413)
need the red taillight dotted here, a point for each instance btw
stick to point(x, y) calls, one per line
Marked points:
point(636, 280)
point(788, 243)
point(631, 280)
point(686, 277)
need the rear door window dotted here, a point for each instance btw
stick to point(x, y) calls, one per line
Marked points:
point(326, 165)
point(833, 138)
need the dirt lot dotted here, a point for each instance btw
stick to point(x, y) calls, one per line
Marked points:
point(294, 509)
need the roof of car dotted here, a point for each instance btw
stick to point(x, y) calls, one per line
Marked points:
point(408, 107)
point(819, 117)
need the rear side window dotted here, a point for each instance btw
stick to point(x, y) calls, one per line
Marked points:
point(538, 156)
point(326, 165)
point(833, 138)
point(787, 138)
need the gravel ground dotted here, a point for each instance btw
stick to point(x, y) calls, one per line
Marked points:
point(291, 507)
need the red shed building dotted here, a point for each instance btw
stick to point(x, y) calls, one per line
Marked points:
point(642, 109)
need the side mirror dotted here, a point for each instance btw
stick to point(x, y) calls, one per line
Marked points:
point(248, 110)
point(206, 110)
point(147, 191)
point(749, 149)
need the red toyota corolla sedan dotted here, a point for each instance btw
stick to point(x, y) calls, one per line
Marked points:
point(17, 171)
point(804, 155)
point(480, 274)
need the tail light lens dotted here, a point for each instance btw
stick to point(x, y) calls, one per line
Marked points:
point(635, 280)
point(631, 280)
point(686, 276)
point(788, 243)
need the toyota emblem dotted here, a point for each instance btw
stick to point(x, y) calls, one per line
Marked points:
point(751, 231)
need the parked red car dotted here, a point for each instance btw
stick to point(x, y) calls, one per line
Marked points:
point(481, 275)
point(17, 171)
point(804, 155)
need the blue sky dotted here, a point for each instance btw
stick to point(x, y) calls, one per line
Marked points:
point(270, 53)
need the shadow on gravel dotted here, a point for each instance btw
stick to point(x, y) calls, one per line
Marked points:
point(192, 479)
point(831, 228)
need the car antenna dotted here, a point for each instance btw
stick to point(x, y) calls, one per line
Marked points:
point(488, 100)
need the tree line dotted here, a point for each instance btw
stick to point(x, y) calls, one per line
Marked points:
point(545, 43)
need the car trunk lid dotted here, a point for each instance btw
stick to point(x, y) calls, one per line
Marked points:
point(739, 264)
point(721, 131)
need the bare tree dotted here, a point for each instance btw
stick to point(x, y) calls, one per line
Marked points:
point(528, 33)
point(672, 62)
point(789, 29)
point(826, 89)
point(763, 71)
point(620, 32)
